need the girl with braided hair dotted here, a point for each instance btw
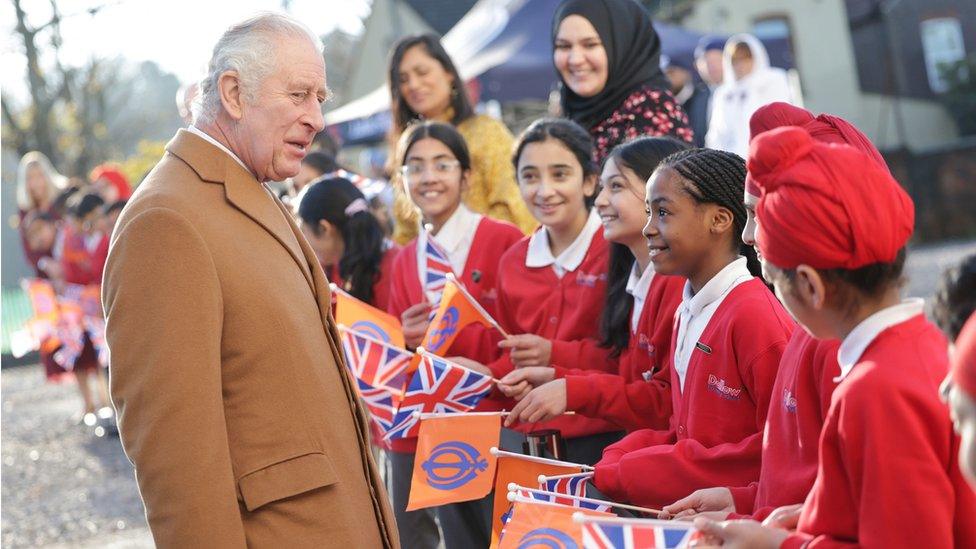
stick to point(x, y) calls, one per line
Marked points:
point(729, 334)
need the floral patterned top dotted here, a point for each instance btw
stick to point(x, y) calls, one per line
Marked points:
point(648, 111)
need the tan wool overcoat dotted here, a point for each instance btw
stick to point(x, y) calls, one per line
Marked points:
point(233, 400)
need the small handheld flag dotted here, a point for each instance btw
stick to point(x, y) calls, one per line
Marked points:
point(612, 533)
point(368, 320)
point(374, 362)
point(456, 311)
point(438, 385)
point(453, 461)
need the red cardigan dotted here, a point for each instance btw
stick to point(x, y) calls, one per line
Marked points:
point(628, 399)
point(889, 473)
point(715, 435)
point(801, 397)
point(491, 239)
point(566, 311)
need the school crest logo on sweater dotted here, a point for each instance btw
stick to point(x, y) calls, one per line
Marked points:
point(789, 401)
point(589, 279)
point(717, 385)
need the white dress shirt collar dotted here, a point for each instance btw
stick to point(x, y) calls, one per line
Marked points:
point(638, 285)
point(540, 254)
point(197, 131)
point(714, 288)
point(858, 340)
point(460, 227)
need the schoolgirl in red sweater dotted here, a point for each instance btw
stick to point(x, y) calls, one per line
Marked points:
point(832, 227)
point(435, 165)
point(637, 317)
point(347, 239)
point(729, 334)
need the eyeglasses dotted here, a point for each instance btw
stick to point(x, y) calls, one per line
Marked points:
point(415, 170)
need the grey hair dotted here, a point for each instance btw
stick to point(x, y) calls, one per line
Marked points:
point(247, 48)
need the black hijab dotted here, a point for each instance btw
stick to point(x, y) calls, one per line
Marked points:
point(633, 56)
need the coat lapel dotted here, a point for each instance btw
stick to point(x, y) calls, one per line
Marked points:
point(243, 191)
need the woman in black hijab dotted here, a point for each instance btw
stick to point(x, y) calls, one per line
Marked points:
point(607, 54)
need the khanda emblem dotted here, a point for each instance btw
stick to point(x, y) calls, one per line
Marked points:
point(453, 464)
point(548, 538)
point(444, 330)
point(371, 329)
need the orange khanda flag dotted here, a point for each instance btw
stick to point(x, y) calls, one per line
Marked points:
point(543, 525)
point(453, 462)
point(362, 317)
point(524, 471)
point(456, 311)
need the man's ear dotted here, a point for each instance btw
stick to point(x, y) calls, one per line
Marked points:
point(810, 287)
point(229, 86)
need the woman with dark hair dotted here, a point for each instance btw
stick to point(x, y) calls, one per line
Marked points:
point(425, 85)
point(347, 239)
point(608, 57)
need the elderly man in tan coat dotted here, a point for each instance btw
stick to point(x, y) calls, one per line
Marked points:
point(232, 398)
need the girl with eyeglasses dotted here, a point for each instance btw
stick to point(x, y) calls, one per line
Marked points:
point(435, 166)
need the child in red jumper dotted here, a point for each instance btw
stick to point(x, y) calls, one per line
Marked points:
point(729, 336)
point(435, 166)
point(832, 226)
point(552, 284)
point(805, 379)
point(637, 318)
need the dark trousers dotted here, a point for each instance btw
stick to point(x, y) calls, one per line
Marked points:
point(418, 529)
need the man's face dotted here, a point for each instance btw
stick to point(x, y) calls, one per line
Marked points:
point(276, 130)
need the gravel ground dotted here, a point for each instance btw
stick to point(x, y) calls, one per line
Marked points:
point(63, 487)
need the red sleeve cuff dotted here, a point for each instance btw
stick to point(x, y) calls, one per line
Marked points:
point(606, 477)
point(564, 353)
point(576, 392)
point(744, 498)
point(501, 367)
point(796, 540)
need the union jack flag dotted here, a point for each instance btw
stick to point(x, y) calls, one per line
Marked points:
point(381, 404)
point(376, 365)
point(639, 534)
point(437, 386)
point(436, 267)
point(573, 485)
point(569, 502)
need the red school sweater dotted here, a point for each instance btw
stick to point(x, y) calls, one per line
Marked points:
point(889, 472)
point(383, 286)
point(801, 397)
point(491, 239)
point(79, 264)
point(639, 396)
point(715, 435)
point(566, 311)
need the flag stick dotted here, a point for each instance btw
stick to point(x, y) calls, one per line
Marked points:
point(423, 352)
point(476, 305)
point(502, 413)
point(544, 478)
point(336, 289)
point(534, 459)
point(344, 328)
point(512, 487)
point(580, 518)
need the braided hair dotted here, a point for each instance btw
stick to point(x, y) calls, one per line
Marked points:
point(717, 177)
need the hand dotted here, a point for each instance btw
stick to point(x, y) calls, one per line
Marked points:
point(528, 350)
point(471, 365)
point(415, 321)
point(739, 534)
point(717, 499)
point(785, 517)
point(519, 382)
point(533, 375)
point(541, 404)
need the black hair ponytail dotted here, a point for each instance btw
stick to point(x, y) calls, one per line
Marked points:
point(718, 177)
point(344, 206)
point(641, 156)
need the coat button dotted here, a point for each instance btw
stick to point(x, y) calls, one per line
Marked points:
point(681, 429)
point(553, 319)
